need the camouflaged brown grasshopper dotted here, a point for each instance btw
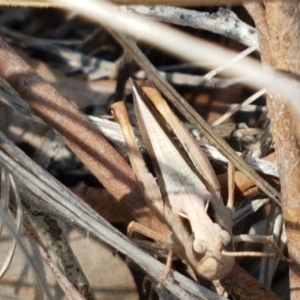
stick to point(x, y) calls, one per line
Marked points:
point(188, 185)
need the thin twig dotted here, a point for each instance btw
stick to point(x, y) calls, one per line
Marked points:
point(236, 108)
point(34, 263)
point(7, 181)
point(224, 21)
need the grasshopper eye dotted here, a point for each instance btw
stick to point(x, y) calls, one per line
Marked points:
point(225, 237)
point(223, 234)
point(199, 246)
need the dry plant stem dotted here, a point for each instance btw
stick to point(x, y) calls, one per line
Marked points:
point(4, 194)
point(237, 107)
point(50, 233)
point(224, 21)
point(230, 63)
point(244, 287)
point(85, 141)
point(264, 272)
point(66, 286)
point(262, 240)
point(257, 164)
point(231, 173)
point(35, 264)
point(7, 183)
point(248, 253)
point(4, 202)
point(125, 67)
point(279, 235)
point(244, 187)
point(279, 35)
point(18, 217)
point(32, 228)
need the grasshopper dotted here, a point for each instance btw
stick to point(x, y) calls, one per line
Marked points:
point(187, 189)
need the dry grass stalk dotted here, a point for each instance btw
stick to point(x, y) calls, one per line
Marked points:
point(290, 171)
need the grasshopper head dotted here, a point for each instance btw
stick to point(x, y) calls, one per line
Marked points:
point(212, 268)
point(205, 255)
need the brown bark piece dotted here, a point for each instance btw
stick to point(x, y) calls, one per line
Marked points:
point(244, 187)
point(278, 25)
point(104, 204)
point(243, 286)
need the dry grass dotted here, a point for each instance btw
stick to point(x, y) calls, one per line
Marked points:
point(96, 188)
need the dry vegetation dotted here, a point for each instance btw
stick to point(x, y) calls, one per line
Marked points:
point(183, 181)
